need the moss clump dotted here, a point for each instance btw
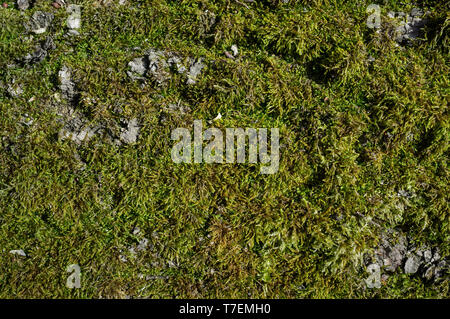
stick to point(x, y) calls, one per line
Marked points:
point(361, 119)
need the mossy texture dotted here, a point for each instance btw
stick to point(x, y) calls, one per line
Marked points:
point(362, 121)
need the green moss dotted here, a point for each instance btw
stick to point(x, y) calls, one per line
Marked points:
point(354, 133)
